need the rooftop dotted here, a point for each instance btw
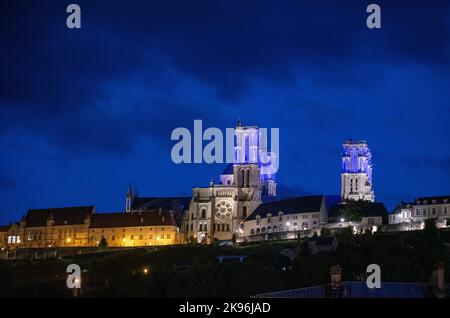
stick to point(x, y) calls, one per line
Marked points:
point(302, 204)
point(121, 219)
point(60, 216)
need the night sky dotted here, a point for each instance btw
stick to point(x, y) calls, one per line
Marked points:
point(85, 112)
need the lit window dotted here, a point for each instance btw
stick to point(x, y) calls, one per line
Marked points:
point(162, 236)
point(168, 236)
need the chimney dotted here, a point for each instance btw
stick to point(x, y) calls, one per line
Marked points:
point(160, 211)
point(335, 273)
point(437, 281)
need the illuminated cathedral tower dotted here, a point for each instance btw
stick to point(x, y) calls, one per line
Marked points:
point(251, 150)
point(356, 176)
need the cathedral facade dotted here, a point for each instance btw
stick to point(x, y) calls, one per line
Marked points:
point(218, 212)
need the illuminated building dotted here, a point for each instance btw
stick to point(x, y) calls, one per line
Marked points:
point(356, 176)
point(218, 211)
point(82, 227)
point(283, 219)
point(436, 207)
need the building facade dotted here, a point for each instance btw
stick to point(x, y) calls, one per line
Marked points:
point(286, 218)
point(150, 228)
point(423, 208)
point(82, 227)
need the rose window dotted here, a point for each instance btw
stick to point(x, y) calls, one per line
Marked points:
point(223, 210)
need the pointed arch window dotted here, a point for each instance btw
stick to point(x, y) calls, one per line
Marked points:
point(247, 178)
point(203, 215)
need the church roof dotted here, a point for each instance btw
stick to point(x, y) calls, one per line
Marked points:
point(4, 228)
point(166, 203)
point(304, 204)
point(121, 219)
point(61, 216)
point(438, 199)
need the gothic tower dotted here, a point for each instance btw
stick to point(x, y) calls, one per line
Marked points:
point(129, 199)
point(356, 176)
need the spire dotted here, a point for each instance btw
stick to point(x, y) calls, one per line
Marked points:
point(239, 124)
point(130, 191)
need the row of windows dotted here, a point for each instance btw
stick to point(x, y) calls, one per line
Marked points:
point(432, 201)
point(426, 211)
point(14, 239)
point(132, 237)
point(403, 215)
point(123, 230)
point(218, 227)
point(279, 228)
point(280, 217)
point(203, 213)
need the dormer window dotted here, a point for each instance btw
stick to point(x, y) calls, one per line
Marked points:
point(434, 201)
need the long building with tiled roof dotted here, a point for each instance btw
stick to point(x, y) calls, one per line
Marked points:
point(83, 227)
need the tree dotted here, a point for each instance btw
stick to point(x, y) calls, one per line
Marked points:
point(103, 244)
point(345, 234)
point(430, 229)
point(325, 231)
point(353, 210)
point(192, 240)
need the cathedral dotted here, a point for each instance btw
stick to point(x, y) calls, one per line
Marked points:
point(218, 212)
